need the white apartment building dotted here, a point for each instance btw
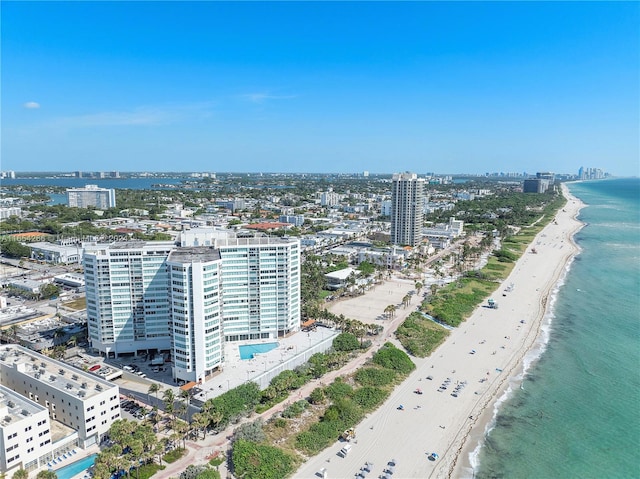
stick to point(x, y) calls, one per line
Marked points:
point(24, 431)
point(91, 195)
point(155, 296)
point(407, 200)
point(37, 392)
point(196, 312)
point(261, 287)
point(128, 303)
point(8, 212)
point(329, 198)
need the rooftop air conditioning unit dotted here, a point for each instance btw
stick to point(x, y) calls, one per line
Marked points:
point(69, 386)
point(74, 377)
point(25, 412)
point(10, 404)
point(43, 365)
point(52, 378)
point(84, 385)
point(82, 393)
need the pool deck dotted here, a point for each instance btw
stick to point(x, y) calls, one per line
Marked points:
point(236, 371)
point(81, 454)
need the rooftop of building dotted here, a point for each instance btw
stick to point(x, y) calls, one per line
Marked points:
point(14, 407)
point(198, 254)
point(68, 380)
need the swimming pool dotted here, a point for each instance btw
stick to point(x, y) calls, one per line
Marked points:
point(75, 468)
point(248, 351)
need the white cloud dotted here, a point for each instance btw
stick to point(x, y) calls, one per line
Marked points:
point(141, 116)
point(31, 105)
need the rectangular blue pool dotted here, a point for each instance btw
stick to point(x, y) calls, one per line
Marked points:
point(248, 351)
point(75, 468)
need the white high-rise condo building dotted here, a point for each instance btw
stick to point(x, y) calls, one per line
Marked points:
point(407, 201)
point(155, 296)
point(91, 195)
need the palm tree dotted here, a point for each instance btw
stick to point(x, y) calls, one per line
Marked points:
point(57, 334)
point(186, 396)
point(406, 300)
point(153, 389)
point(390, 310)
point(181, 410)
point(20, 474)
point(169, 400)
point(418, 287)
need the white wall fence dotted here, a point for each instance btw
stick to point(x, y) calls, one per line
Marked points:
point(293, 362)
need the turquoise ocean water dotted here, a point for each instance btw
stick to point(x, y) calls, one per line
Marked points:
point(576, 413)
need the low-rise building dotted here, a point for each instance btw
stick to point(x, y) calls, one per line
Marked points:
point(50, 391)
point(56, 253)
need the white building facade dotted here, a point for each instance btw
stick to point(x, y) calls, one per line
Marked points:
point(46, 390)
point(91, 195)
point(154, 296)
point(407, 199)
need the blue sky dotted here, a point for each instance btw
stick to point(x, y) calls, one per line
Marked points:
point(448, 87)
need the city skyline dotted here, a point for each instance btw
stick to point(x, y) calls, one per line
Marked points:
point(330, 87)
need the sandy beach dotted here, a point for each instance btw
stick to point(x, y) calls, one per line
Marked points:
point(479, 359)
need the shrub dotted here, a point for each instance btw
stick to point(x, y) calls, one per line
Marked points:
point(317, 396)
point(375, 376)
point(209, 474)
point(251, 431)
point(259, 461)
point(191, 472)
point(173, 456)
point(391, 357)
point(280, 422)
point(295, 409)
point(338, 389)
point(346, 342)
point(368, 397)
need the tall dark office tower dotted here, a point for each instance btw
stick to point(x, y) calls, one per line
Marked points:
point(407, 200)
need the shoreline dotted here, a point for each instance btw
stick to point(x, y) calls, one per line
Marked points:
point(453, 426)
point(472, 442)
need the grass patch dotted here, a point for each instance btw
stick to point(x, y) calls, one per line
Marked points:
point(419, 335)
point(77, 304)
point(173, 456)
point(216, 461)
point(455, 302)
point(148, 470)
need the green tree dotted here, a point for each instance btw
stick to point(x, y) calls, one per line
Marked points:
point(346, 342)
point(46, 475)
point(49, 290)
point(14, 249)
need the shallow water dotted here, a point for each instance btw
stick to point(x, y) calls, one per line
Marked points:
point(577, 413)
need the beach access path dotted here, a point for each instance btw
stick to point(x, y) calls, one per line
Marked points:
point(436, 421)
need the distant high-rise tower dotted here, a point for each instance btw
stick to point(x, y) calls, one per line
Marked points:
point(407, 200)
